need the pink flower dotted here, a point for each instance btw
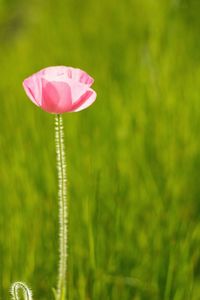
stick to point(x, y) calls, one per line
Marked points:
point(60, 89)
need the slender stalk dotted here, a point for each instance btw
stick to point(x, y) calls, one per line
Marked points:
point(63, 217)
point(62, 197)
point(23, 287)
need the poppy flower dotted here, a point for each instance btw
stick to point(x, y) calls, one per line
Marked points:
point(60, 89)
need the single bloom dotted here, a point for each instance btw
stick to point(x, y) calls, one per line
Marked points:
point(60, 89)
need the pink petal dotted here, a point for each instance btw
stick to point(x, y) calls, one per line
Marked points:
point(77, 89)
point(56, 96)
point(33, 88)
point(57, 73)
point(62, 73)
point(84, 101)
point(80, 76)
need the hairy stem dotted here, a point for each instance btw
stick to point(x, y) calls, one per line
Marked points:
point(63, 216)
point(27, 294)
point(62, 197)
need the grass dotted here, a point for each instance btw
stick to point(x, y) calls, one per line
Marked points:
point(133, 158)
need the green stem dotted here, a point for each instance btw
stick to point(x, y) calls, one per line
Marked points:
point(27, 294)
point(62, 196)
point(63, 216)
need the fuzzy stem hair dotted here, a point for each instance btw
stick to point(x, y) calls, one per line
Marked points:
point(63, 221)
point(16, 287)
point(63, 208)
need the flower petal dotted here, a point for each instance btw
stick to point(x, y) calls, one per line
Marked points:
point(56, 96)
point(84, 101)
point(62, 73)
point(53, 73)
point(33, 88)
point(80, 76)
point(77, 89)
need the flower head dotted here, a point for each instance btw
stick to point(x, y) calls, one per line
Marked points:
point(60, 89)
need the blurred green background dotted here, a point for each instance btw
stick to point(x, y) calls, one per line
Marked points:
point(133, 157)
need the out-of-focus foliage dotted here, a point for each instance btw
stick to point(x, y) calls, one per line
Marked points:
point(133, 157)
